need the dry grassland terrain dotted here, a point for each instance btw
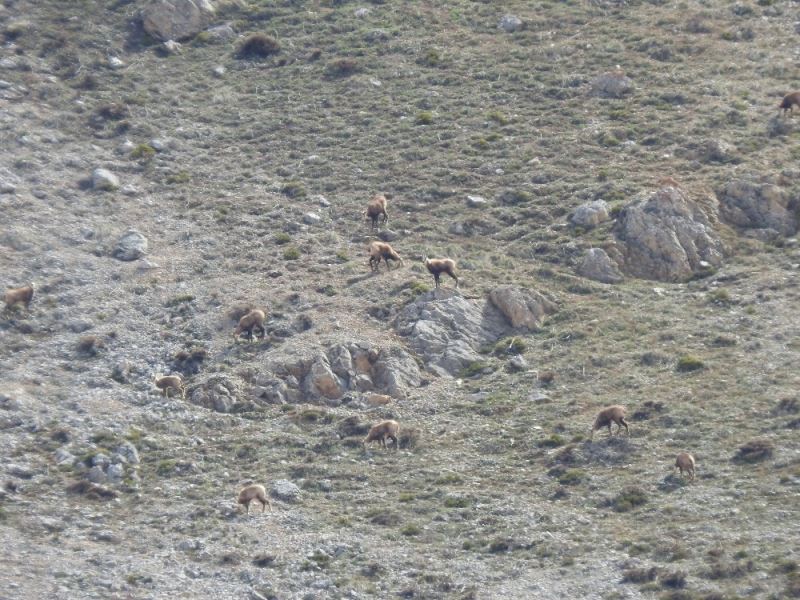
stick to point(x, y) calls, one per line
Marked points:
point(620, 192)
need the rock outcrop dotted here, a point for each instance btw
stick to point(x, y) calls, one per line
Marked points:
point(668, 236)
point(598, 266)
point(176, 19)
point(751, 205)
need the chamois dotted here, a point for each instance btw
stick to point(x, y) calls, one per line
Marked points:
point(609, 415)
point(20, 295)
point(381, 431)
point(437, 266)
point(685, 462)
point(381, 250)
point(171, 382)
point(789, 102)
point(254, 320)
point(375, 208)
point(254, 492)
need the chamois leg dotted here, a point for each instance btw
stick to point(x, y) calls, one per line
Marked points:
point(396, 443)
point(454, 277)
point(627, 431)
point(436, 277)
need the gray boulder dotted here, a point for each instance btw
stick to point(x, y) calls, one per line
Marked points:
point(597, 265)
point(216, 392)
point(285, 490)
point(447, 331)
point(522, 307)
point(103, 179)
point(510, 23)
point(668, 237)
point(614, 84)
point(395, 371)
point(751, 205)
point(130, 246)
point(176, 19)
point(590, 215)
point(322, 381)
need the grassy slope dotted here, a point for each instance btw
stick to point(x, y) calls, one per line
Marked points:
point(473, 504)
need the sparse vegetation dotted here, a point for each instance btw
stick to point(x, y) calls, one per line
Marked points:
point(486, 143)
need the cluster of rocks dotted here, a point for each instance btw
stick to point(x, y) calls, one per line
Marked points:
point(670, 236)
point(449, 332)
point(122, 463)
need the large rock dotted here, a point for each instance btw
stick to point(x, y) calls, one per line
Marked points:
point(591, 214)
point(176, 19)
point(216, 392)
point(522, 307)
point(130, 246)
point(448, 331)
point(668, 236)
point(395, 371)
point(752, 205)
point(285, 490)
point(332, 373)
point(322, 381)
point(597, 265)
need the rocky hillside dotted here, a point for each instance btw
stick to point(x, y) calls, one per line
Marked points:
point(620, 193)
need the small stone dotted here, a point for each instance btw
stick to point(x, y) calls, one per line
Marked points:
point(126, 147)
point(323, 201)
point(7, 187)
point(64, 457)
point(311, 218)
point(96, 474)
point(129, 452)
point(285, 490)
point(115, 62)
point(517, 364)
point(103, 179)
point(131, 245)
point(361, 12)
point(115, 471)
point(476, 201)
point(388, 235)
point(159, 144)
point(222, 32)
point(20, 471)
point(510, 23)
point(219, 71)
point(101, 460)
point(172, 47)
point(129, 190)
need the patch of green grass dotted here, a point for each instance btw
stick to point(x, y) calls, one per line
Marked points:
point(629, 498)
point(291, 253)
point(179, 177)
point(143, 152)
point(475, 369)
point(510, 345)
point(411, 530)
point(165, 467)
point(424, 117)
point(294, 189)
point(554, 441)
point(452, 501)
point(282, 238)
point(688, 363)
point(180, 299)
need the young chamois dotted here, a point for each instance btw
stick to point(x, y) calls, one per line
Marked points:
point(254, 492)
point(254, 320)
point(381, 250)
point(171, 382)
point(789, 102)
point(20, 295)
point(685, 462)
point(609, 415)
point(381, 431)
point(375, 208)
point(437, 266)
